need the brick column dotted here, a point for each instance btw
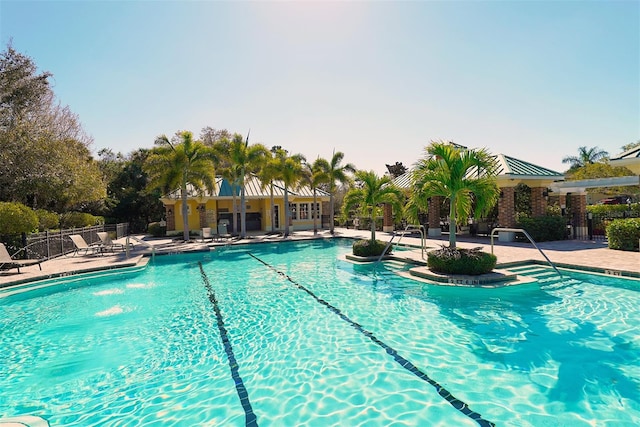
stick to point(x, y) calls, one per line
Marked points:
point(435, 203)
point(202, 214)
point(387, 219)
point(171, 217)
point(507, 207)
point(579, 211)
point(538, 202)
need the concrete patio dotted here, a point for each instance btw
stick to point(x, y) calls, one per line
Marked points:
point(588, 255)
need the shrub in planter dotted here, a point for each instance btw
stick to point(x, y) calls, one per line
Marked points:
point(157, 230)
point(367, 248)
point(460, 261)
point(623, 234)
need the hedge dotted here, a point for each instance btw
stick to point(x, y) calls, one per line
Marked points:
point(367, 248)
point(624, 234)
point(47, 220)
point(544, 228)
point(461, 261)
point(79, 219)
point(16, 218)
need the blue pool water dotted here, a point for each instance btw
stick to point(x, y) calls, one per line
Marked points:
point(317, 341)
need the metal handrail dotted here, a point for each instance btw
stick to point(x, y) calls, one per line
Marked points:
point(420, 229)
point(520, 230)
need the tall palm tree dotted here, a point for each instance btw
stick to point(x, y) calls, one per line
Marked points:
point(370, 193)
point(290, 171)
point(267, 173)
point(334, 173)
point(230, 172)
point(466, 177)
point(244, 158)
point(314, 176)
point(179, 162)
point(586, 156)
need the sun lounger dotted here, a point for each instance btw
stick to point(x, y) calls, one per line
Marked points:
point(6, 262)
point(81, 245)
point(109, 244)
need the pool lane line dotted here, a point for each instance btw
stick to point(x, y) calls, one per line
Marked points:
point(250, 417)
point(453, 401)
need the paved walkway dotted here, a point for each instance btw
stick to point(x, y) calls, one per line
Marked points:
point(583, 254)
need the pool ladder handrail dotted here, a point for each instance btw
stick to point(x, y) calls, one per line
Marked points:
point(420, 229)
point(153, 248)
point(520, 230)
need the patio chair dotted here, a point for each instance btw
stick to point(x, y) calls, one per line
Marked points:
point(223, 233)
point(206, 234)
point(110, 245)
point(7, 263)
point(81, 245)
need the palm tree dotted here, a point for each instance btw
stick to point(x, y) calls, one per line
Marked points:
point(290, 171)
point(586, 156)
point(229, 171)
point(466, 177)
point(334, 173)
point(179, 162)
point(314, 176)
point(370, 193)
point(267, 174)
point(244, 158)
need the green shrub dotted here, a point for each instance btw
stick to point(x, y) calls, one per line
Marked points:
point(613, 209)
point(156, 230)
point(623, 234)
point(461, 261)
point(79, 219)
point(367, 248)
point(544, 228)
point(47, 220)
point(16, 218)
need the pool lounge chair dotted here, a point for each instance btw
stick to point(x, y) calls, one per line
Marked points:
point(7, 263)
point(81, 245)
point(110, 245)
point(206, 235)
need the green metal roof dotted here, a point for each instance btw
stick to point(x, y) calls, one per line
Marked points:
point(507, 166)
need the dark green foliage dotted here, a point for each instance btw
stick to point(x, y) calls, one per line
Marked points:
point(47, 220)
point(544, 228)
point(16, 218)
point(460, 261)
point(613, 210)
point(624, 234)
point(367, 248)
point(79, 219)
point(156, 230)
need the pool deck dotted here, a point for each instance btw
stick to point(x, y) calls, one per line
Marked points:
point(589, 255)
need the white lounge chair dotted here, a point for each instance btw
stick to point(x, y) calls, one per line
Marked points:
point(81, 245)
point(206, 234)
point(7, 263)
point(109, 244)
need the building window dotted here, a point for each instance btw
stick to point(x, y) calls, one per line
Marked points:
point(293, 210)
point(315, 210)
point(304, 210)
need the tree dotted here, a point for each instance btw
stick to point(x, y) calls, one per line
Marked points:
point(314, 177)
point(178, 163)
point(332, 173)
point(267, 174)
point(44, 152)
point(585, 156)
point(370, 193)
point(244, 158)
point(464, 176)
point(631, 145)
point(289, 170)
point(604, 170)
point(396, 170)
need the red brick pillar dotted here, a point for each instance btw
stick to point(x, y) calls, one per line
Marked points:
point(202, 214)
point(387, 221)
point(538, 201)
point(579, 214)
point(435, 202)
point(171, 217)
point(507, 207)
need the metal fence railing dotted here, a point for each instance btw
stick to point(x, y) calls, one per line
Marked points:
point(51, 244)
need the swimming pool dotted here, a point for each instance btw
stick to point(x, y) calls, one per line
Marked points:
point(286, 334)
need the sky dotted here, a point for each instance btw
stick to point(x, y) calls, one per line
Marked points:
point(377, 80)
